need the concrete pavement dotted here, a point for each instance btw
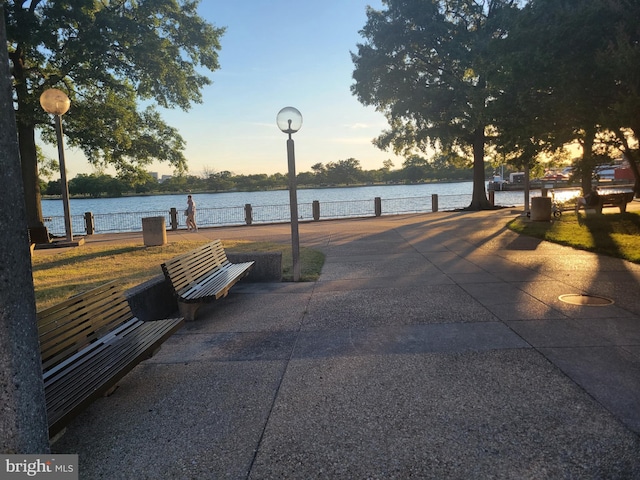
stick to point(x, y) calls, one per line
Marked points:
point(432, 346)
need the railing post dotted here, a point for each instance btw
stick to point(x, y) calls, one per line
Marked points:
point(248, 213)
point(89, 223)
point(316, 210)
point(492, 197)
point(434, 202)
point(377, 205)
point(173, 214)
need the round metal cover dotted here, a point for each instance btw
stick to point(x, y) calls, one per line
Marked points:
point(589, 300)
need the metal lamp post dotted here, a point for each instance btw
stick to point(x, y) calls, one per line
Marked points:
point(57, 103)
point(289, 120)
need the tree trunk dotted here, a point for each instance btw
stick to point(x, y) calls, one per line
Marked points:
point(587, 160)
point(632, 158)
point(31, 183)
point(23, 422)
point(27, 147)
point(479, 199)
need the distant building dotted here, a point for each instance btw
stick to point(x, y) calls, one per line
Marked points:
point(165, 177)
point(154, 175)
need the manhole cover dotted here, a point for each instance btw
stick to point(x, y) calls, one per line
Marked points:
point(591, 300)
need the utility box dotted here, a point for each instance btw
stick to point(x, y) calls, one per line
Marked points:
point(541, 209)
point(154, 231)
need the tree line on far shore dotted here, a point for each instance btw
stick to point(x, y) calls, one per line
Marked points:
point(340, 173)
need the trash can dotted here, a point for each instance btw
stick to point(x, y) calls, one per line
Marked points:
point(541, 209)
point(154, 231)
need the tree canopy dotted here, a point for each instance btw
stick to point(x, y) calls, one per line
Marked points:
point(108, 56)
point(512, 78)
point(425, 64)
point(559, 94)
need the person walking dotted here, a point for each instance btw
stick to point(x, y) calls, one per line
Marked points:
point(191, 214)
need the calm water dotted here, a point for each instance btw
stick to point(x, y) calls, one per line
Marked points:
point(451, 195)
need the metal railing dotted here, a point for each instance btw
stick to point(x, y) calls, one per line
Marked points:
point(90, 223)
point(356, 208)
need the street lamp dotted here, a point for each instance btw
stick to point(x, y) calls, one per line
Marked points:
point(57, 103)
point(289, 120)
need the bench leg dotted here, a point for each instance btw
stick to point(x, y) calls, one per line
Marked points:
point(154, 352)
point(58, 436)
point(111, 391)
point(188, 310)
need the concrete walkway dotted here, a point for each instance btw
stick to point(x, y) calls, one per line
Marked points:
point(433, 346)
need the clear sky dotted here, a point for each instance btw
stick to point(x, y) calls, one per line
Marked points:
point(278, 53)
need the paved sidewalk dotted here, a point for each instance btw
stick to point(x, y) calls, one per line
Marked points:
point(432, 346)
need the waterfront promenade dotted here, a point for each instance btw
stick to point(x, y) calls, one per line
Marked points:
point(432, 346)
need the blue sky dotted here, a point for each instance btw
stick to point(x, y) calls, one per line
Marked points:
point(274, 54)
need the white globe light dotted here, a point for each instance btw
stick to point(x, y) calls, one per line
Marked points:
point(55, 101)
point(289, 120)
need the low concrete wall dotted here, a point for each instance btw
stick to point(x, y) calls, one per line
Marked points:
point(268, 266)
point(154, 299)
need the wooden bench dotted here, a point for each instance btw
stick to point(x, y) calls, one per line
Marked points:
point(615, 196)
point(202, 275)
point(618, 197)
point(87, 344)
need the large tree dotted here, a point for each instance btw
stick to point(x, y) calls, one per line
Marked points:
point(107, 55)
point(574, 64)
point(563, 95)
point(620, 58)
point(425, 64)
point(23, 423)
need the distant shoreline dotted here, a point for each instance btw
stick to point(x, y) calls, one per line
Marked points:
point(209, 192)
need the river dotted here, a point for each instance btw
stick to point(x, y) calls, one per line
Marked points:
point(451, 195)
point(125, 214)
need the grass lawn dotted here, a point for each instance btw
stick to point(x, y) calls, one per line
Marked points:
point(613, 234)
point(57, 275)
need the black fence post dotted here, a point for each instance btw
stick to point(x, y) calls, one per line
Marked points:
point(316, 210)
point(173, 214)
point(89, 223)
point(248, 214)
point(434, 202)
point(377, 204)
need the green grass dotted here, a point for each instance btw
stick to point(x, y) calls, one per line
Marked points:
point(57, 275)
point(613, 234)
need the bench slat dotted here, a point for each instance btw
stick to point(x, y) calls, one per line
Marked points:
point(216, 284)
point(86, 378)
point(73, 377)
point(187, 269)
point(87, 351)
point(60, 337)
point(88, 343)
